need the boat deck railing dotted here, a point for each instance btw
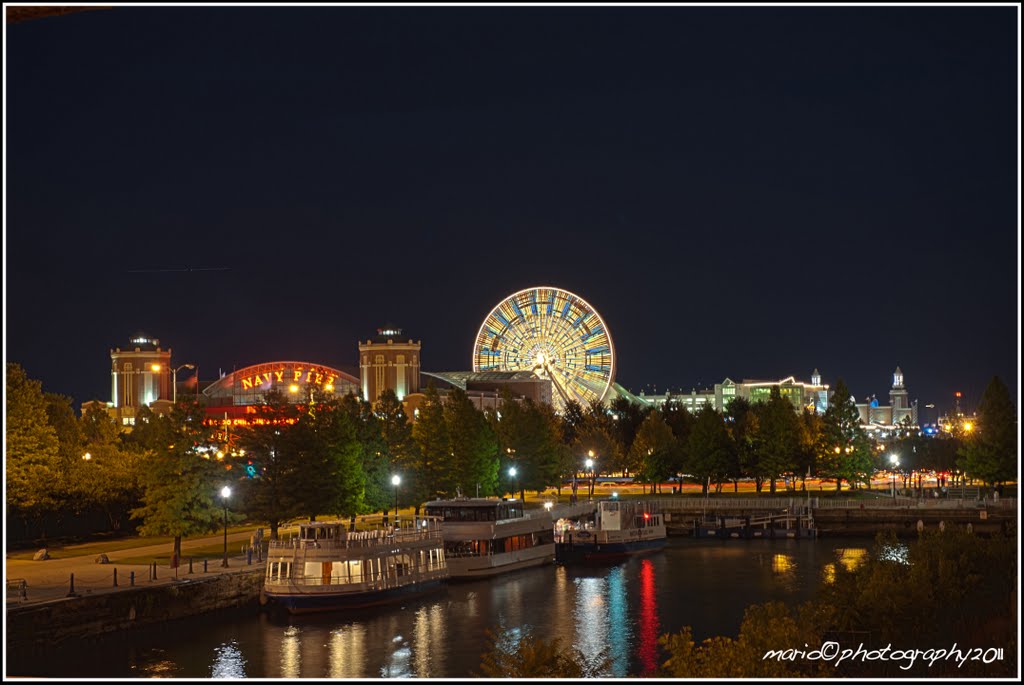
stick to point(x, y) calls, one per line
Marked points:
point(362, 538)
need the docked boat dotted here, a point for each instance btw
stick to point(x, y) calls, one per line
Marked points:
point(484, 537)
point(328, 567)
point(619, 530)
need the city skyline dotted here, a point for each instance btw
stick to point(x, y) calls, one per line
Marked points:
point(280, 183)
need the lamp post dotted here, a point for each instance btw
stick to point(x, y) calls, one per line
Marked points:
point(590, 467)
point(225, 492)
point(895, 461)
point(174, 379)
point(515, 481)
point(396, 480)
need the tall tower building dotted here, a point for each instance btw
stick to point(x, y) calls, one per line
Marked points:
point(388, 362)
point(898, 393)
point(140, 375)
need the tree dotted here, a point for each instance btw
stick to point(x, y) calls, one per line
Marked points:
point(110, 480)
point(473, 446)
point(33, 452)
point(329, 472)
point(374, 453)
point(708, 450)
point(990, 451)
point(430, 431)
point(627, 418)
point(743, 424)
point(843, 449)
point(400, 451)
point(655, 451)
point(779, 433)
point(271, 495)
point(181, 482)
point(528, 439)
point(61, 416)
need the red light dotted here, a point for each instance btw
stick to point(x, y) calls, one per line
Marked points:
point(958, 393)
point(646, 515)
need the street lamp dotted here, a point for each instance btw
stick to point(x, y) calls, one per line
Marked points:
point(174, 379)
point(86, 456)
point(515, 481)
point(225, 492)
point(396, 480)
point(590, 467)
point(895, 461)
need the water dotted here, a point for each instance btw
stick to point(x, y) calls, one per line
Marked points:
point(620, 610)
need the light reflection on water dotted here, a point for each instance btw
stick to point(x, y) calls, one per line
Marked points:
point(616, 612)
point(228, 662)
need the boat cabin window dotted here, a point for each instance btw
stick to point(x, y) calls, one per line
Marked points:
point(490, 512)
point(321, 532)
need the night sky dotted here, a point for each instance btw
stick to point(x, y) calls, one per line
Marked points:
point(739, 192)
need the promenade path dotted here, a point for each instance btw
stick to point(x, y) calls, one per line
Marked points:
point(49, 580)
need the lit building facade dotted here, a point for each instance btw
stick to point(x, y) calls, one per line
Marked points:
point(388, 362)
point(900, 410)
point(235, 396)
point(813, 395)
point(140, 376)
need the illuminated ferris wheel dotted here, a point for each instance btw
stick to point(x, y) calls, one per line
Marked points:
point(556, 335)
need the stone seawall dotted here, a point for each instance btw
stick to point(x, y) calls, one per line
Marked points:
point(128, 608)
point(834, 522)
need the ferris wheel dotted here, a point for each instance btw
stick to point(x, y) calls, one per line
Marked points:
point(556, 335)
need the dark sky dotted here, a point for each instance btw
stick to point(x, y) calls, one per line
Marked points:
point(741, 192)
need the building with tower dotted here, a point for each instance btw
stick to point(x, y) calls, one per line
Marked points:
point(886, 418)
point(388, 361)
point(140, 375)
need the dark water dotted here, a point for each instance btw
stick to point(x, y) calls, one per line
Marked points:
point(620, 609)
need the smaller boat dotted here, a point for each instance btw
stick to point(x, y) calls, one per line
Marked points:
point(620, 530)
point(485, 537)
point(329, 567)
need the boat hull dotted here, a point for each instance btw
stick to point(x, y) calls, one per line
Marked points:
point(602, 552)
point(485, 567)
point(315, 602)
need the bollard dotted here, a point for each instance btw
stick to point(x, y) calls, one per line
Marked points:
point(190, 564)
point(248, 556)
point(154, 570)
point(24, 590)
point(204, 565)
point(72, 593)
point(115, 576)
point(131, 578)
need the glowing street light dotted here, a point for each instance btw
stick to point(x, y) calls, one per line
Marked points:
point(590, 467)
point(396, 480)
point(225, 492)
point(86, 456)
point(512, 473)
point(895, 461)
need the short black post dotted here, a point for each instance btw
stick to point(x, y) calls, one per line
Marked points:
point(154, 570)
point(190, 564)
point(204, 565)
point(131, 578)
point(115, 576)
point(248, 556)
point(24, 590)
point(72, 593)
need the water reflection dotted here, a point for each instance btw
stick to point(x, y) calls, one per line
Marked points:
point(604, 629)
point(429, 644)
point(348, 651)
point(852, 557)
point(157, 665)
point(648, 623)
point(397, 665)
point(228, 662)
point(897, 551)
point(291, 656)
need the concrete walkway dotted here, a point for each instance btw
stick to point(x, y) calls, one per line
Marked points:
point(50, 580)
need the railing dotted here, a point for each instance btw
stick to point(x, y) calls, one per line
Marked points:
point(732, 503)
point(360, 539)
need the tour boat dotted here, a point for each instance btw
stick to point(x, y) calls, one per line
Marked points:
point(329, 567)
point(484, 537)
point(620, 530)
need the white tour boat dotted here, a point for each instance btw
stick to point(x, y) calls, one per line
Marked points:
point(484, 537)
point(620, 530)
point(329, 567)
